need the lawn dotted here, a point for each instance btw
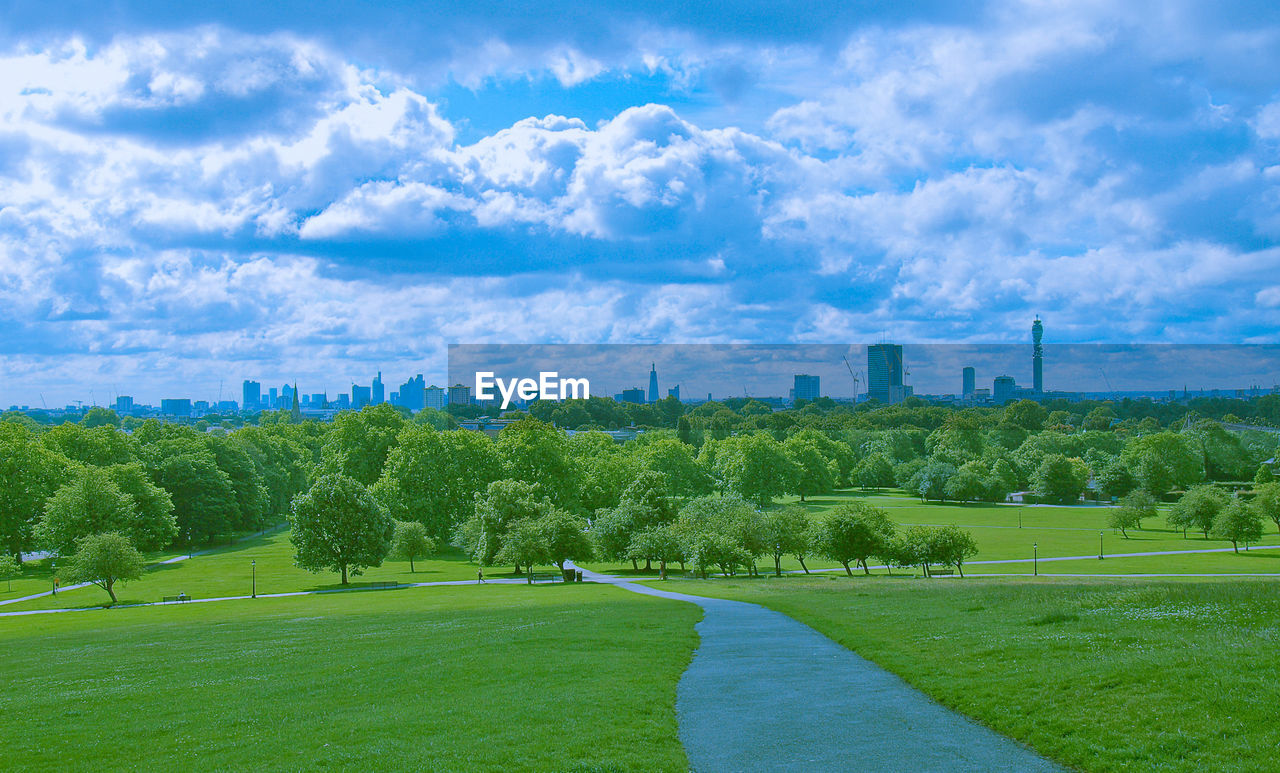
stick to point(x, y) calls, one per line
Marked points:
point(557, 677)
point(228, 571)
point(1100, 675)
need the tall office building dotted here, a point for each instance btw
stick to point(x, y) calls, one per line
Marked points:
point(1002, 389)
point(413, 393)
point(1037, 356)
point(360, 396)
point(124, 404)
point(674, 392)
point(251, 395)
point(884, 373)
point(379, 392)
point(806, 387)
point(967, 383)
point(273, 398)
point(634, 395)
point(653, 382)
point(175, 407)
point(436, 397)
point(459, 394)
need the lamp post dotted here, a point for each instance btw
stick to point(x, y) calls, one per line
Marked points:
point(254, 567)
point(1035, 559)
point(1099, 544)
point(53, 575)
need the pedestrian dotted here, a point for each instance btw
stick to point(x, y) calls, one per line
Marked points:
point(479, 576)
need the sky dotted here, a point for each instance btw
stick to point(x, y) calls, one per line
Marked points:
point(192, 196)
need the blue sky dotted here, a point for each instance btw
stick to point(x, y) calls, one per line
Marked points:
point(316, 191)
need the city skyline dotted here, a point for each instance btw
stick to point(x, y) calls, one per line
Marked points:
point(202, 190)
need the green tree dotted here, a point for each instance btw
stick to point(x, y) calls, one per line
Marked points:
point(1238, 522)
point(434, 477)
point(1263, 476)
point(873, 472)
point(29, 474)
point(524, 544)
point(154, 525)
point(1267, 501)
point(930, 480)
point(786, 532)
point(410, 541)
point(538, 454)
point(504, 504)
point(1197, 509)
point(357, 442)
point(684, 431)
point(659, 543)
point(1133, 509)
point(1115, 479)
point(853, 533)
point(674, 459)
point(1027, 414)
point(1099, 419)
point(967, 484)
point(1060, 479)
point(9, 569)
point(204, 501)
point(100, 417)
point(953, 546)
point(104, 560)
point(90, 503)
point(1147, 454)
point(566, 537)
point(755, 467)
point(339, 526)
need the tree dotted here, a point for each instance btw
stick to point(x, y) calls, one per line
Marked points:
point(661, 543)
point(104, 560)
point(357, 442)
point(1027, 414)
point(917, 547)
point(1267, 501)
point(930, 481)
point(1132, 510)
point(786, 531)
point(1099, 419)
point(90, 503)
point(1263, 476)
point(755, 467)
point(684, 431)
point(966, 485)
point(29, 474)
point(204, 501)
point(434, 477)
point(566, 537)
point(538, 454)
point(154, 525)
point(816, 474)
point(1197, 509)
point(1060, 479)
point(874, 471)
point(9, 568)
point(853, 533)
point(524, 544)
point(1147, 455)
point(410, 541)
point(1115, 479)
point(504, 504)
point(339, 526)
point(953, 546)
point(1238, 522)
point(675, 460)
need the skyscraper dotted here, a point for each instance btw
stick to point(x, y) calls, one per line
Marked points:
point(251, 395)
point(379, 393)
point(1002, 389)
point(806, 387)
point(360, 396)
point(413, 393)
point(967, 383)
point(653, 382)
point(1037, 356)
point(884, 373)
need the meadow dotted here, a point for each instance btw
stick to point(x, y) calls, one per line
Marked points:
point(564, 677)
point(1102, 675)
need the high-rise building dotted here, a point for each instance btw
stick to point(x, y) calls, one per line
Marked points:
point(273, 398)
point(1037, 356)
point(967, 383)
point(320, 400)
point(342, 402)
point(884, 373)
point(413, 393)
point(251, 395)
point(436, 397)
point(175, 407)
point(807, 387)
point(653, 382)
point(674, 392)
point(459, 394)
point(360, 396)
point(1002, 389)
point(124, 404)
point(379, 392)
point(635, 395)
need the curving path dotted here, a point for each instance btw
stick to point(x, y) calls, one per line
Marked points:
point(765, 692)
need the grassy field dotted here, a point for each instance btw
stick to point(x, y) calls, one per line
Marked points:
point(1100, 675)
point(227, 571)
point(563, 677)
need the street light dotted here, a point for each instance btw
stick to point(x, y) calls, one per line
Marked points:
point(1035, 559)
point(53, 575)
point(1099, 544)
point(254, 565)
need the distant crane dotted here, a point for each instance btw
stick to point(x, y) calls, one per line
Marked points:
point(1104, 377)
point(854, 375)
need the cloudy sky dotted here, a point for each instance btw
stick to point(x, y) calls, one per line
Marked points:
point(189, 197)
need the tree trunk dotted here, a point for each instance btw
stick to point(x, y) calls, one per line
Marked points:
point(802, 497)
point(865, 569)
point(777, 565)
point(344, 574)
point(411, 570)
point(960, 569)
point(662, 569)
point(1234, 546)
point(634, 566)
point(846, 568)
point(648, 565)
point(111, 584)
point(802, 566)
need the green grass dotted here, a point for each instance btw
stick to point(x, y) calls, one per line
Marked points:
point(1100, 675)
point(563, 677)
point(227, 571)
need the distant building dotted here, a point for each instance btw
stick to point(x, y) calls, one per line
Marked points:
point(273, 398)
point(884, 373)
point(1003, 389)
point(1037, 356)
point(982, 395)
point(634, 395)
point(413, 393)
point(379, 392)
point(674, 392)
point(175, 407)
point(807, 387)
point(251, 395)
point(124, 404)
point(319, 400)
point(459, 394)
point(228, 406)
point(360, 396)
point(435, 397)
point(653, 382)
point(342, 402)
point(967, 383)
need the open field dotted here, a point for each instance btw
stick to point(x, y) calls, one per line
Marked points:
point(564, 677)
point(1100, 675)
point(227, 572)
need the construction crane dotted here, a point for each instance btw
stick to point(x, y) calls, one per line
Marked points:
point(1104, 377)
point(854, 375)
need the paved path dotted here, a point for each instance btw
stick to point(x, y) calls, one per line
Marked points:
point(765, 692)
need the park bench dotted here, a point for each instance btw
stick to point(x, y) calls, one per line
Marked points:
point(179, 597)
point(941, 572)
point(544, 577)
point(383, 585)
